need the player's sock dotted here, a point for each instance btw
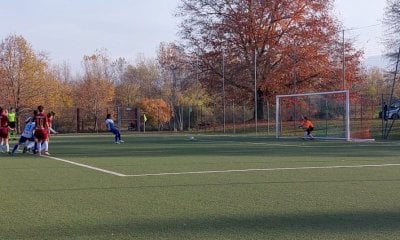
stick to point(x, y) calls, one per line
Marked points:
point(39, 148)
point(45, 146)
point(15, 148)
point(7, 148)
point(30, 145)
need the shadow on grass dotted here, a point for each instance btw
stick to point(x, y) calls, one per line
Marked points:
point(211, 185)
point(305, 226)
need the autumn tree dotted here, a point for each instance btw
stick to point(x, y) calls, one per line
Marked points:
point(180, 75)
point(63, 88)
point(95, 92)
point(24, 73)
point(158, 112)
point(138, 81)
point(27, 79)
point(61, 98)
point(172, 60)
point(281, 46)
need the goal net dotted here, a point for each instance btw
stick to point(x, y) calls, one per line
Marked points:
point(329, 112)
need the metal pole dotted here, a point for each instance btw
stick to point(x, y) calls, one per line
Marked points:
point(383, 116)
point(347, 116)
point(326, 116)
point(268, 123)
point(344, 64)
point(255, 88)
point(233, 116)
point(277, 133)
point(387, 131)
point(223, 86)
point(244, 120)
point(174, 98)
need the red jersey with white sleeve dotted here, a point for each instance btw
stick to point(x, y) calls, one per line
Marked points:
point(3, 126)
point(42, 125)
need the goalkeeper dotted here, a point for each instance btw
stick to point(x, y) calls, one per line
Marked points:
point(308, 127)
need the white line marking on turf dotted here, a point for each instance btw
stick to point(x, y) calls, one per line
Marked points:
point(87, 166)
point(260, 169)
point(220, 171)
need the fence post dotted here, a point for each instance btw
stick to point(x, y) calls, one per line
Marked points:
point(78, 120)
point(244, 118)
point(268, 123)
point(119, 116)
point(233, 116)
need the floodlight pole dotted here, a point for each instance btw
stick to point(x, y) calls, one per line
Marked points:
point(277, 123)
point(255, 89)
point(343, 62)
point(347, 125)
point(223, 86)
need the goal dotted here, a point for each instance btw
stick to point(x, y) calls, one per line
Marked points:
point(329, 112)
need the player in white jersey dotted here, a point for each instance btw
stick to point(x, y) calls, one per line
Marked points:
point(26, 136)
point(111, 128)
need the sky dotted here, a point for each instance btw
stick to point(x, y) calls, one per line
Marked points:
point(363, 21)
point(69, 29)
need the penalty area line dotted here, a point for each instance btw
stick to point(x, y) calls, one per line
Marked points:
point(87, 166)
point(222, 171)
point(260, 169)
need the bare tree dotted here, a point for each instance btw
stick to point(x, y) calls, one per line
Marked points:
point(392, 23)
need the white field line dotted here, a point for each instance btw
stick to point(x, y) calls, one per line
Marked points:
point(293, 145)
point(87, 166)
point(221, 171)
point(260, 169)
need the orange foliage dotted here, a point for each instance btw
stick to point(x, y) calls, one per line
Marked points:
point(157, 111)
point(296, 46)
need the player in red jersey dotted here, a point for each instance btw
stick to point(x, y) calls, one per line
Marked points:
point(4, 130)
point(41, 129)
point(50, 117)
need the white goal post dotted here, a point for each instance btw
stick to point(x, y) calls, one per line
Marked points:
point(330, 112)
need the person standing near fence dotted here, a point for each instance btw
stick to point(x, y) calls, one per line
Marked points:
point(4, 130)
point(111, 128)
point(12, 123)
point(385, 111)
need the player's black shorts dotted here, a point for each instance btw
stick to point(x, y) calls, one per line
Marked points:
point(23, 139)
point(11, 124)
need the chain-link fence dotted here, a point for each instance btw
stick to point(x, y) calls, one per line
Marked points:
point(233, 118)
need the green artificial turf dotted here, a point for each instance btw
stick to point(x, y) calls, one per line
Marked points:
point(281, 197)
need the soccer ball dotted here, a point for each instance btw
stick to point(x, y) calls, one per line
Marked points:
point(191, 138)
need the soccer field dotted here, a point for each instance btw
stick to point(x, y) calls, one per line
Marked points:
point(211, 187)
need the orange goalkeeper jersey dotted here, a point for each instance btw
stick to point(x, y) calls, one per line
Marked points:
point(307, 124)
